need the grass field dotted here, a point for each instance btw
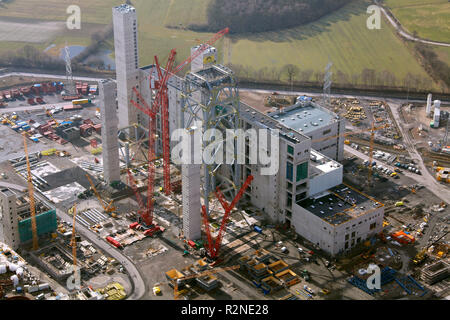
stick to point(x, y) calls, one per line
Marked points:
point(429, 18)
point(342, 37)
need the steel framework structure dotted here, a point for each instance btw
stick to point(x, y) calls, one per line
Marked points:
point(211, 97)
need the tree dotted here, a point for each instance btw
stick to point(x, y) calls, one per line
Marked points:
point(291, 71)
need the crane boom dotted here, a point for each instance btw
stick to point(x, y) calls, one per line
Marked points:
point(31, 196)
point(108, 208)
point(143, 212)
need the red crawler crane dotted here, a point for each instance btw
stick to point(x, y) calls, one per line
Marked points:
point(213, 248)
point(161, 103)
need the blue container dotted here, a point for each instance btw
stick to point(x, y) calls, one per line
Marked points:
point(257, 229)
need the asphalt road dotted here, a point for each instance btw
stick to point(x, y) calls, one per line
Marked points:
point(405, 34)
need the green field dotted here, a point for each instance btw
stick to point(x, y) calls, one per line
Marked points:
point(429, 18)
point(342, 37)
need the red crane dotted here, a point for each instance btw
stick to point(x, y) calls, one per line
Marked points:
point(213, 248)
point(161, 102)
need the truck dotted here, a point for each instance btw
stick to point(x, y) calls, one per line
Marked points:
point(81, 101)
point(31, 101)
point(114, 242)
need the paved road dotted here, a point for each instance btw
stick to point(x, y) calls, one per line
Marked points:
point(138, 283)
point(405, 34)
point(43, 75)
point(427, 178)
point(333, 95)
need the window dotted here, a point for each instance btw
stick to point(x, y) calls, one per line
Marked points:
point(353, 234)
point(358, 240)
point(326, 132)
point(346, 237)
point(290, 149)
point(289, 186)
point(346, 245)
point(373, 226)
point(302, 171)
point(289, 171)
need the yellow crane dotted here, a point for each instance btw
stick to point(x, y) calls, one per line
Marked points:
point(109, 208)
point(175, 282)
point(31, 196)
point(51, 116)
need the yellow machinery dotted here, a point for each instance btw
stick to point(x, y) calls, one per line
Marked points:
point(175, 282)
point(443, 174)
point(51, 116)
point(109, 208)
point(31, 196)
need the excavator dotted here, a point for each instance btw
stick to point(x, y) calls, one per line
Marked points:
point(107, 207)
point(422, 255)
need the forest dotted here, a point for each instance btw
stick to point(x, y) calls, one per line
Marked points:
point(252, 16)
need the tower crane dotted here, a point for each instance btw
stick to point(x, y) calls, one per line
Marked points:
point(107, 207)
point(160, 104)
point(31, 196)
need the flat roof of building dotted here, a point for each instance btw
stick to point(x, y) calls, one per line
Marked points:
point(125, 8)
point(304, 117)
point(255, 116)
point(322, 163)
point(340, 204)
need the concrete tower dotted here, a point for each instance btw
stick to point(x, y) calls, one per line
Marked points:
point(437, 113)
point(127, 61)
point(9, 229)
point(429, 98)
point(205, 60)
point(110, 142)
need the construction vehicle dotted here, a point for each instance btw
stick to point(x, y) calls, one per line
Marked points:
point(31, 196)
point(213, 248)
point(51, 116)
point(305, 275)
point(403, 237)
point(443, 174)
point(107, 207)
point(149, 225)
point(177, 281)
point(422, 254)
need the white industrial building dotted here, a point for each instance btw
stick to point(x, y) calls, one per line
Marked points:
point(307, 194)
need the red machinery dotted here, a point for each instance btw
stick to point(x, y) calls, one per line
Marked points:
point(161, 103)
point(213, 248)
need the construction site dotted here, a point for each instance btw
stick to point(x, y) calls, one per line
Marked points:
point(91, 194)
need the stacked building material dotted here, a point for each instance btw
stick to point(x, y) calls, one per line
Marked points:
point(435, 272)
point(288, 277)
point(208, 282)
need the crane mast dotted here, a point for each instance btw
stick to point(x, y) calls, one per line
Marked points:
point(31, 196)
